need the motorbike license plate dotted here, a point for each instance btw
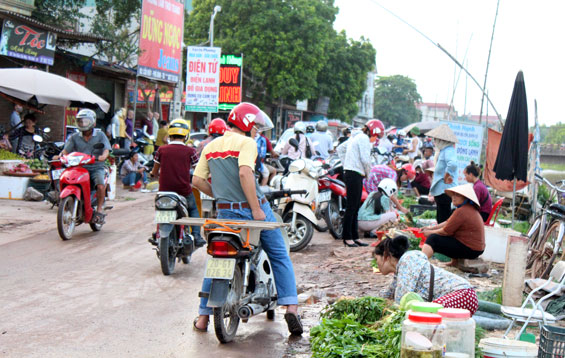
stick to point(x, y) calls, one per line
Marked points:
point(219, 268)
point(56, 174)
point(324, 196)
point(165, 216)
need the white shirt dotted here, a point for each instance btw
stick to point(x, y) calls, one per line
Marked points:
point(355, 154)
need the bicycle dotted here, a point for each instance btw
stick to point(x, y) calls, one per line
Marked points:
point(546, 233)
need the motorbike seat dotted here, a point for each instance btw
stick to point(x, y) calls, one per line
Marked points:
point(558, 208)
point(120, 152)
point(336, 181)
point(181, 198)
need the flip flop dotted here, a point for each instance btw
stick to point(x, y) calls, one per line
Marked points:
point(98, 218)
point(294, 323)
point(202, 330)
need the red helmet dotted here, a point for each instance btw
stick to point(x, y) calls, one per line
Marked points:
point(217, 126)
point(247, 115)
point(410, 172)
point(376, 127)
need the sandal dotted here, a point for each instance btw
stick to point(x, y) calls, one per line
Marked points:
point(97, 218)
point(294, 323)
point(202, 330)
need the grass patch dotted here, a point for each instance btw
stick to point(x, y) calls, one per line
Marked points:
point(129, 198)
point(494, 295)
point(548, 166)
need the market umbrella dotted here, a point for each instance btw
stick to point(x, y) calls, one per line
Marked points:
point(47, 88)
point(512, 158)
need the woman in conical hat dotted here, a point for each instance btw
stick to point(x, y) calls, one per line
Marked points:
point(462, 236)
point(445, 175)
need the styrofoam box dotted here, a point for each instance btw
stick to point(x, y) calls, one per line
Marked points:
point(13, 187)
point(495, 240)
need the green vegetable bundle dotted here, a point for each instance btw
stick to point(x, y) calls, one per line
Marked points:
point(367, 309)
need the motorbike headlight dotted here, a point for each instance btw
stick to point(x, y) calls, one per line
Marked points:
point(165, 202)
point(73, 161)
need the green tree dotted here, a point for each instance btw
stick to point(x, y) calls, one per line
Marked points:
point(344, 76)
point(283, 42)
point(556, 134)
point(395, 100)
point(60, 13)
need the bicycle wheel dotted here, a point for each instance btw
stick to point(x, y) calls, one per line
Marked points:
point(534, 239)
point(546, 255)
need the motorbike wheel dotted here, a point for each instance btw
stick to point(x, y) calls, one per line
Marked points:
point(334, 219)
point(226, 319)
point(96, 227)
point(168, 252)
point(65, 222)
point(304, 232)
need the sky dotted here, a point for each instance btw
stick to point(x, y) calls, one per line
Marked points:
point(528, 36)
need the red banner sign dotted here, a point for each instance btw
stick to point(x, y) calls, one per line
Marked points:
point(71, 112)
point(160, 40)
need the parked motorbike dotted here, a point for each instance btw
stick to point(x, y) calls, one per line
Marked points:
point(243, 284)
point(172, 241)
point(77, 199)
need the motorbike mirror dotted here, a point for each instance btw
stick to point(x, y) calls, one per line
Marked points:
point(98, 146)
point(47, 130)
point(294, 143)
point(37, 138)
point(326, 166)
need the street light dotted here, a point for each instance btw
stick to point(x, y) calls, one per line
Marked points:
point(217, 9)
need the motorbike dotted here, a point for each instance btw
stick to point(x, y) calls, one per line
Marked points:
point(335, 211)
point(77, 199)
point(172, 241)
point(243, 284)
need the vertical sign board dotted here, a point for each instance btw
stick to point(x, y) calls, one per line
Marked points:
point(71, 112)
point(160, 40)
point(202, 79)
point(27, 43)
point(230, 81)
point(470, 141)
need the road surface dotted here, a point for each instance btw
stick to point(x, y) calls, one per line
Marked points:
point(103, 294)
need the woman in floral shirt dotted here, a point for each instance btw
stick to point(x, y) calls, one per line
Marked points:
point(412, 272)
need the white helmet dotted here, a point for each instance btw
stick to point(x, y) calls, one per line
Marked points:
point(86, 119)
point(321, 126)
point(300, 127)
point(401, 132)
point(418, 163)
point(388, 187)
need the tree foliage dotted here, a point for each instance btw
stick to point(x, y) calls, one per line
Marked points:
point(287, 46)
point(344, 76)
point(555, 134)
point(395, 100)
point(60, 13)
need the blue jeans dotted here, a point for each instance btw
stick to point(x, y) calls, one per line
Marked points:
point(133, 177)
point(193, 213)
point(273, 244)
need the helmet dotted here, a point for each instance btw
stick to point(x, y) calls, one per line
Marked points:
point(410, 172)
point(247, 115)
point(299, 127)
point(217, 126)
point(401, 133)
point(86, 119)
point(388, 187)
point(418, 163)
point(376, 127)
point(179, 127)
point(346, 131)
point(310, 129)
point(321, 126)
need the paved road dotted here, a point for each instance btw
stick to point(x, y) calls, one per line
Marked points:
point(103, 294)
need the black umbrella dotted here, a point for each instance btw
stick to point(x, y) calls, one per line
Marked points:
point(512, 158)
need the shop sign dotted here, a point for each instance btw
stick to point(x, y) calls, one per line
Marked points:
point(230, 81)
point(160, 40)
point(292, 117)
point(71, 112)
point(469, 144)
point(202, 79)
point(164, 96)
point(27, 43)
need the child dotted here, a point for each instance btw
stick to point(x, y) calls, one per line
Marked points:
point(376, 210)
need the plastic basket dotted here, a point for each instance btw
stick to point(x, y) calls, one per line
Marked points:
point(40, 185)
point(420, 209)
point(552, 342)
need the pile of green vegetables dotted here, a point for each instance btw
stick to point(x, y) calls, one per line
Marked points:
point(428, 214)
point(363, 327)
point(7, 155)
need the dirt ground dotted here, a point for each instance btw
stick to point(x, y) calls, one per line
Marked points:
point(103, 294)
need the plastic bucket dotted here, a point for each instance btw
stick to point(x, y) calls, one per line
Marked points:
point(507, 348)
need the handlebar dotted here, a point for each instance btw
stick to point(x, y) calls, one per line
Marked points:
point(283, 193)
point(548, 183)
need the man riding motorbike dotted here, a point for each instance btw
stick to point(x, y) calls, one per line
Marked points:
point(83, 142)
point(230, 160)
point(216, 128)
point(174, 162)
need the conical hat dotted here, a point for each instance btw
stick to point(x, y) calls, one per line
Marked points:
point(465, 190)
point(443, 132)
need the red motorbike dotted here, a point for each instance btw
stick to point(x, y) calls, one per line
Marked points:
point(76, 198)
point(335, 211)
